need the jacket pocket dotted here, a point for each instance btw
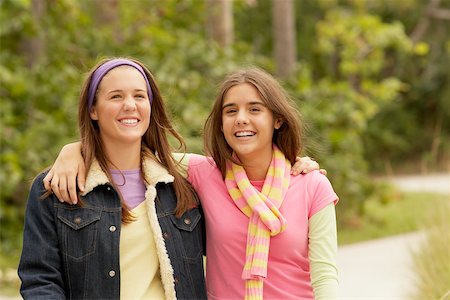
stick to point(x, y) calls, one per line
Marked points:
point(189, 227)
point(78, 230)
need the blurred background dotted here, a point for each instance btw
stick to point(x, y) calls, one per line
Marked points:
point(370, 77)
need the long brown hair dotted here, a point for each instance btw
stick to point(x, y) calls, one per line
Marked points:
point(155, 144)
point(288, 137)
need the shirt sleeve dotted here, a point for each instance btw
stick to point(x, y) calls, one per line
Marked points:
point(199, 168)
point(183, 160)
point(320, 191)
point(322, 253)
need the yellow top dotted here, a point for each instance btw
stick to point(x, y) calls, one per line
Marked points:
point(140, 276)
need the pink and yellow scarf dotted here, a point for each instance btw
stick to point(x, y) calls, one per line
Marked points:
point(262, 208)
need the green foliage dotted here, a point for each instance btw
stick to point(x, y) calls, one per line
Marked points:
point(367, 93)
point(415, 127)
point(37, 116)
point(9, 280)
point(39, 103)
point(416, 124)
point(347, 92)
point(422, 128)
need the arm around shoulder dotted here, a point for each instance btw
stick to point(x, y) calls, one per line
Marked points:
point(40, 268)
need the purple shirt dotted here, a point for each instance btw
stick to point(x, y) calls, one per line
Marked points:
point(131, 186)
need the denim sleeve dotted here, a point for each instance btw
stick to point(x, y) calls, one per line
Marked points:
point(40, 267)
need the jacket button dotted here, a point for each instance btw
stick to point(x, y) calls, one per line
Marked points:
point(108, 188)
point(77, 220)
point(187, 221)
point(112, 273)
point(112, 228)
point(165, 235)
point(176, 280)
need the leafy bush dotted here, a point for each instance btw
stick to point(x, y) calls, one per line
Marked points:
point(340, 100)
point(350, 84)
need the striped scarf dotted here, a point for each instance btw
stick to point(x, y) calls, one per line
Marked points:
point(265, 218)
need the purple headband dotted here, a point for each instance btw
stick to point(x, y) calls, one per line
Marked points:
point(101, 71)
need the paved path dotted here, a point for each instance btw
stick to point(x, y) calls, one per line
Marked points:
point(378, 269)
point(382, 269)
point(436, 183)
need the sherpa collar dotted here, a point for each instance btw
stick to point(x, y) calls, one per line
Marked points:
point(153, 172)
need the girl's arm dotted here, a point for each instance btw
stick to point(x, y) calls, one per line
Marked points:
point(40, 266)
point(322, 253)
point(69, 171)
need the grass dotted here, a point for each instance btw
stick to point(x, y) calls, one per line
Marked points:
point(432, 260)
point(405, 213)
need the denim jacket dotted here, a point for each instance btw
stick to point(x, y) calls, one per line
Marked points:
point(72, 252)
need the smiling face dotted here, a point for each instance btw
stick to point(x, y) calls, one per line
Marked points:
point(247, 123)
point(122, 109)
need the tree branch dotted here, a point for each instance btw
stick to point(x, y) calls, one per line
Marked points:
point(439, 13)
point(424, 22)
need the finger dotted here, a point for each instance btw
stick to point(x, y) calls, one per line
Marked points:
point(81, 177)
point(310, 166)
point(298, 167)
point(63, 189)
point(72, 189)
point(47, 180)
point(304, 159)
point(55, 188)
point(323, 171)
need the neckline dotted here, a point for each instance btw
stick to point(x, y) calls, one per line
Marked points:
point(125, 172)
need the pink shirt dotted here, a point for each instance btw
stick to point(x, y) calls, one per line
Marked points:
point(288, 275)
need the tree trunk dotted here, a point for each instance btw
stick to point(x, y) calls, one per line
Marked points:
point(34, 47)
point(107, 16)
point(220, 21)
point(432, 11)
point(284, 35)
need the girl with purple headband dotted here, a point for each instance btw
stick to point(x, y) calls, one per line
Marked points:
point(137, 230)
